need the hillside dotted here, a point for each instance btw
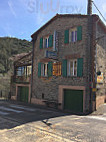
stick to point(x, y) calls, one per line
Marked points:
point(8, 48)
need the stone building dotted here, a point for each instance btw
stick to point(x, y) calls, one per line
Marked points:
point(21, 79)
point(69, 63)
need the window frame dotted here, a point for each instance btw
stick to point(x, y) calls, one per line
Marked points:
point(71, 72)
point(44, 42)
point(44, 71)
point(73, 38)
point(57, 68)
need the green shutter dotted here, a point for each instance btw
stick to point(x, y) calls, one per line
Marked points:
point(64, 68)
point(66, 36)
point(79, 33)
point(50, 68)
point(80, 67)
point(51, 41)
point(39, 69)
point(41, 43)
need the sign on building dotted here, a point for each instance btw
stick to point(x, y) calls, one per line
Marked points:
point(55, 41)
point(100, 78)
point(51, 54)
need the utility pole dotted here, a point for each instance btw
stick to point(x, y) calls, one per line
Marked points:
point(89, 52)
point(89, 11)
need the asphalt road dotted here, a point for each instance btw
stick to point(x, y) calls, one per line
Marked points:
point(27, 123)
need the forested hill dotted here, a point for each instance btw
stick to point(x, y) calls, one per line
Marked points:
point(8, 48)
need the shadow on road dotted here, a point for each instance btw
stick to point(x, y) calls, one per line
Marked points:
point(40, 113)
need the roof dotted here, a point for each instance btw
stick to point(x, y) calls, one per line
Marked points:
point(17, 57)
point(24, 60)
point(58, 16)
point(66, 15)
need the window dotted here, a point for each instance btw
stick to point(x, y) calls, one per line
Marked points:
point(46, 42)
point(73, 35)
point(57, 69)
point(27, 71)
point(72, 67)
point(44, 69)
point(24, 71)
point(20, 71)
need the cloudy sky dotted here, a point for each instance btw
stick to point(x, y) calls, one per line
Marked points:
point(20, 18)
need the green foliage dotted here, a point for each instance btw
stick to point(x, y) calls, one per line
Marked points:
point(10, 47)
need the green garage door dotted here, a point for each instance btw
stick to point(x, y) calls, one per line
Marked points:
point(24, 92)
point(73, 100)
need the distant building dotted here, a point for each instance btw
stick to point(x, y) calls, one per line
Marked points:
point(21, 79)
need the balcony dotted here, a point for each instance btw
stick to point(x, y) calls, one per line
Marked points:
point(21, 79)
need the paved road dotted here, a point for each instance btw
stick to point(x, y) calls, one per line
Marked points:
point(23, 123)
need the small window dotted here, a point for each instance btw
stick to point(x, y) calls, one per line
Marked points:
point(72, 67)
point(46, 42)
point(20, 71)
point(73, 35)
point(44, 69)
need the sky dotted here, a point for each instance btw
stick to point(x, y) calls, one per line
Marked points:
point(21, 18)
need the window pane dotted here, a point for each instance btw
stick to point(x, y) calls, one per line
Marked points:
point(71, 64)
point(75, 63)
point(44, 69)
point(75, 67)
point(45, 43)
point(69, 71)
point(71, 67)
point(72, 36)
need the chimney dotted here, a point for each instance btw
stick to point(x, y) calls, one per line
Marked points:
point(89, 12)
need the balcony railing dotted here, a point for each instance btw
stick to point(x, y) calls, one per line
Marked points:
point(20, 79)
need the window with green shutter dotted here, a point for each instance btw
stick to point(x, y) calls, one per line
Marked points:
point(50, 69)
point(79, 33)
point(64, 68)
point(39, 69)
point(80, 67)
point(72, 67)
point(66, 36)
point(51, 41)
point(41, 43)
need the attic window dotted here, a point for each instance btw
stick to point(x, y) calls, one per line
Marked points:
point(46, 42)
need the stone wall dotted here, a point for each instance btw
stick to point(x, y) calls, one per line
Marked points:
point(13, 89)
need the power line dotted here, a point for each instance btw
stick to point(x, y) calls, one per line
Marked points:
point(99, 11)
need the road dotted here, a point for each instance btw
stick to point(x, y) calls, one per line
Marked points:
point(27, 123)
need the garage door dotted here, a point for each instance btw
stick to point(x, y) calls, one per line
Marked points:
point(24, 92)
point(73, 100)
